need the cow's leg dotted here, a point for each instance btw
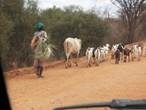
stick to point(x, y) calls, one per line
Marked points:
point(66, 65)
point(76, 63)
point(89, 64)
point(121, 57)
point(125, 58)
point(76, 60)
point(144, 52)
point(132, 57)
point(69, 64)
point(117, 60)
point(108, 56)
point(67, 61)
point(128, 57)
point(96, 62)
point(139, 58)
point(111, 56)
point(89, 61)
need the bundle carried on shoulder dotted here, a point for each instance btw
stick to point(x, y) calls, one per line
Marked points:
point(44, 48)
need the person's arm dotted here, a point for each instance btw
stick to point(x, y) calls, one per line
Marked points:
point(34, 42)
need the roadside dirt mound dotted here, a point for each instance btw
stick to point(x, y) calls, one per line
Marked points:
point(47, 65)
point(29, 70)
point(18, 72)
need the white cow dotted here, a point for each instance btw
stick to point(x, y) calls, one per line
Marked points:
point(72, 46)
point(144, 50)
point(136, 52)
point(102, 54)
point(93, 56)
point(97, 56)
point(105, 51)
point(114, 49)
point(89, 55)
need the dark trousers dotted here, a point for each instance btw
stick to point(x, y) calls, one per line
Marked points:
point(38, 67)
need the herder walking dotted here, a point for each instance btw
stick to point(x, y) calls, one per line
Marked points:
point(39, 45)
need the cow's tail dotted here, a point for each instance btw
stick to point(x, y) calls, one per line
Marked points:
point(66, 48)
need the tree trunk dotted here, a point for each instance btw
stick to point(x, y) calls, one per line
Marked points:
point(131, 32)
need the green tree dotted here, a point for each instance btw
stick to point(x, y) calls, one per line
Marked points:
point(6, 26)
point(74, 22)
point(17, 21)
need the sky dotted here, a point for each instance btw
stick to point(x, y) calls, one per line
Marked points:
point(99, 5)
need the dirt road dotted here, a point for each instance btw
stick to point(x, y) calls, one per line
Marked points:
point(76, 85)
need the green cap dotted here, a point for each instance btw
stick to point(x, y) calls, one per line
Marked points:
point(39, 26)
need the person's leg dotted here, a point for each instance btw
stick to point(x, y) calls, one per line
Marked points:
point(40, 68)
point(36, 64)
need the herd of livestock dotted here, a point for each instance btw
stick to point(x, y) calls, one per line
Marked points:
point(96, 55)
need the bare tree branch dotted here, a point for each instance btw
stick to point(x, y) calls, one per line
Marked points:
point(130, 11)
